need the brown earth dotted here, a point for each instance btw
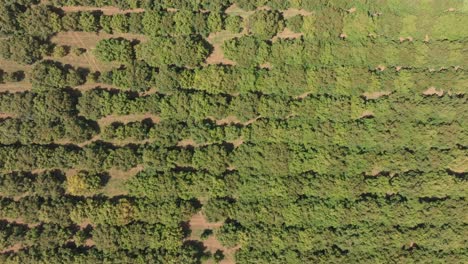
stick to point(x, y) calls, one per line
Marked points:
point(116, 184)
point(290, 12)
point(286, 34)
point(228, 120)
point(237, 11)
point(187, 143)
point(237, 142)
point(106, 10)
point(15, 248)
point(198, 223)
point(5, 115)
point(88, 40)
point(266, 65)
point(433, 91)
point(15, 87)
point(366, 113)
point(304, 95)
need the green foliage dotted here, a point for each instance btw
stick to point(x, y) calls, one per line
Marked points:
point(295, 23)
point(114, 50)
point(38, 21)
point(71, 21)
point(246, 51)
point(89, 22)
point(78, 51)
point(120, 23)
point(24, 50)
point(206, 234)
point(234, 24)
point(179, 51)
point(59, 51)
point(265, 24)
point(49, 75)
point(344, 143)
point(215, 22)
point(84, 183)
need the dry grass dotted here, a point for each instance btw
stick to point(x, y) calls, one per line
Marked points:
point(460, 165)
point(376, 95)
point(287, 34)
point(15, 87)
point(237, 11)
point(15, 248)
point(116, 184)
point(198, 223)
point(304, 95)
point(228, 120)
point(107, 10)
point(216, 40)
point(366, 113)
point(237, 142)
point(10, 66)
point(187, 143)
point(5, 115)
point(88, 41)
point(93, 85)
point(294, 12)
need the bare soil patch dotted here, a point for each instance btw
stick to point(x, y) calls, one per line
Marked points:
point(237, 11)
point(460, 165)
point(15, 248)
point(88, 41)
point(251, 121)
point(304, 95)
point(116, 184)
point(20, 221)
point(187, 143)
point(433, 91)
point(6, 115)
point(107, 10)
point(228, 120)
point(375, 171)
point(366, 113)
point(15, 87)
point(198, 223)
point(290, 12)
point(91, 86)
point(287, 34)
point(216, 40)
point(237, 142)
point(10, 66)
point(266, 65)
point(376, 95)
point(351, 10)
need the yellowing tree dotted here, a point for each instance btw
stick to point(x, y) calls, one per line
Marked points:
point(83, 183)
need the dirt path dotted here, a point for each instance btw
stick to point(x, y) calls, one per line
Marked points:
point(216, 40)
point(286, 34)
point(107, 10)
point(198, 223)
point(89, 58)
point(127, 118)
